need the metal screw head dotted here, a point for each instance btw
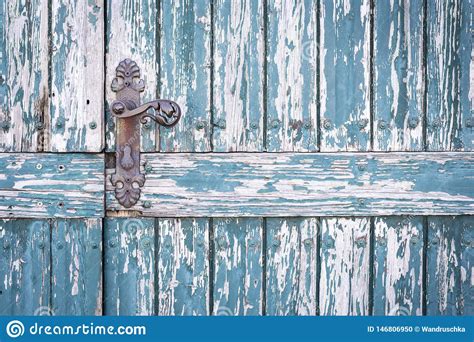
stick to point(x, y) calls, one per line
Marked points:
point(59, 124)
point(275, 123)
point(148, 168)
point(276, 243)
point(146, 204)
point(39, 125)
point(200, 125)
point(253, 125)
point(382, 124)
point(307, 125)
point(436, 122)
point(361, 167)
point(39, 166)
point(5, 125)
point(59, 246)
point(41, 245)
point(361, 242)
point(414, 240)
point(95, 245)
point(327, 124)
point(470, 122)
point(413, 122)
point(361, 201)
point(362, 123)
point(92, 125)
point(308, 242)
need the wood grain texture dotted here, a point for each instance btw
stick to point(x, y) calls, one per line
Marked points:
point(344, 283)
point(345, 75)
point(132, 33)
point(450, 65)
point(238, 269)
point(291, 266)
point(51, 185)
point(238, 75)
point(398, 261)
point(183, 267)
point(76, 115)
point(129, 267)
point(76, 267)
point(450, 266)
point(23, 74)
point(291, 76)
point(398, 76)
point(285, 185)
point(185, 73)
point(25, 267)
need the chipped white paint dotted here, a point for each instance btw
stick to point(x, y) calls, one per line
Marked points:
point(345, 267)
point(292, 76)
point(254, 184)
point(51, 185)
point(291, 266)
point(398, 76)
point(131, 33)
point(77, 103)
point(238, 76)
point(183, 267)
point(398, 261)
point(23, 74)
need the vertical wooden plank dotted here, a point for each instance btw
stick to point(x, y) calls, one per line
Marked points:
point(344, 283)
point(450, 94)
point(23, 74)
point(238, 268)
point(132, 33)
point(345, 75)
point(398, 76)
point(129, 276)
point(77, 62)
point(292, 76)
point(24, 267)
point(186, 73)
point(398, 259)
point(238, 75)
point(183, 267)
point(77, 267)
point(291, 266)
point(450, 266)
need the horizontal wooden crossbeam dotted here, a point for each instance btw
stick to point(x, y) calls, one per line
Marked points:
point(304, 184)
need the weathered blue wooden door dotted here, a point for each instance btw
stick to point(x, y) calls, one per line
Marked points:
point(323, 163)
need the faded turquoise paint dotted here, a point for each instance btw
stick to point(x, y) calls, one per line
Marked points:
point(77, 76)
point(185, 52)
point(183, 267)
point(25, 267)
point(77, 267)
point(291, 76)
point(450, 262)
point(238, 267)
point(131, 32)
point(449, 96)
point(202, 185)
point(291, 266)
point(398, 76)
point(129, 266)
point(23, 74)
point(52, 185)
point(398, 259)
point(238, 75)
point(345, 266)
point(344, 75)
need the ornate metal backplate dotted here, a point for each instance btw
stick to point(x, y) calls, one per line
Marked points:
point(127, 179)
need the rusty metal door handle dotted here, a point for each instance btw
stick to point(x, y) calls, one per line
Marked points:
point(127, 178)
